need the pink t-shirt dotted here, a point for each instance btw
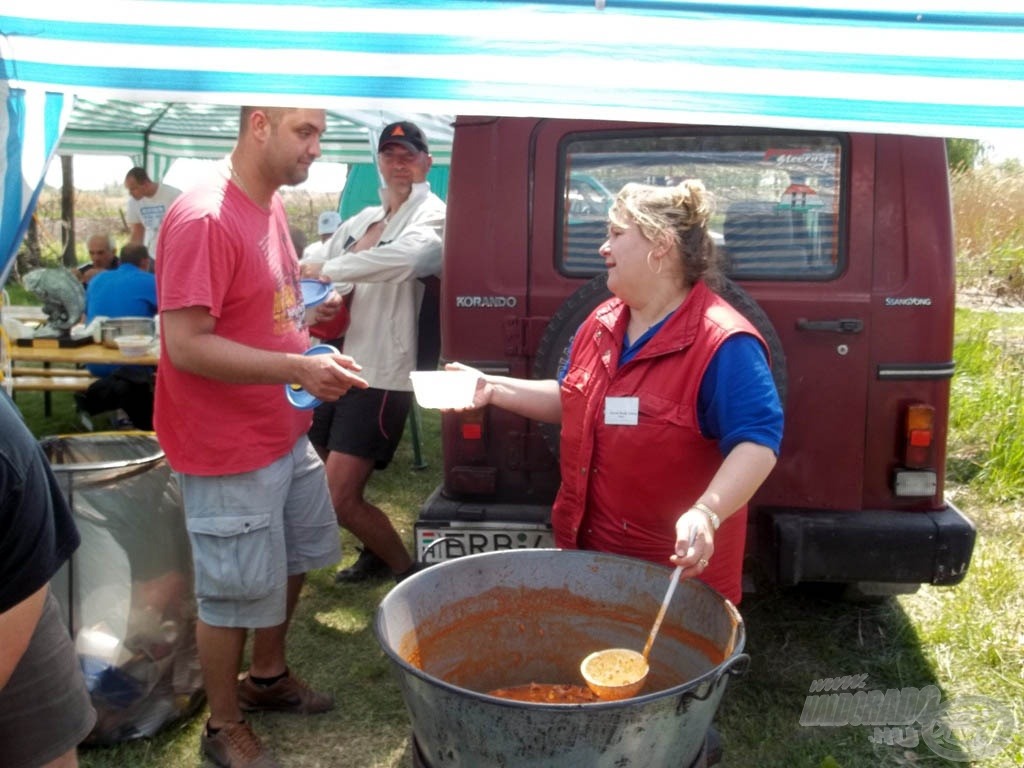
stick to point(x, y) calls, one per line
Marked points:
point(219, 250)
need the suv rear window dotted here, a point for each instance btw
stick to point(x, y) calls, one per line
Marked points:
point(778, 197)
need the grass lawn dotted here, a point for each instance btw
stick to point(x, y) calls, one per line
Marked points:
point(967, 640)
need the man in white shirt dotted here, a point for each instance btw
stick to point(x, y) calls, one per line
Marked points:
point(387, 255)
point(147, 204)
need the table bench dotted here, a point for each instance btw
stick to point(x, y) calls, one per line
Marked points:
point(51, 382)
point(58, 369)
point(47, 379)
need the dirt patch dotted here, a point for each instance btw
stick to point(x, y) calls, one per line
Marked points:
point(975, 299)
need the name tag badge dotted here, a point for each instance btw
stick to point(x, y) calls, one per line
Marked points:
point(622, 410)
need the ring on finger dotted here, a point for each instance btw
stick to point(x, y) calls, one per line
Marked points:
point(703, 563)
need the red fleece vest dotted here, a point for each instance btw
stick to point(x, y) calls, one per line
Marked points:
point(624, 486)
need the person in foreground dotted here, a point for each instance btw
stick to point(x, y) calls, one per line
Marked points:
point(257, 508)
point(670, 419)
point(387, 252)
point(45, 709)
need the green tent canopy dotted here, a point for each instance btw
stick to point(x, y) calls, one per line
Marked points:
point(155, 134)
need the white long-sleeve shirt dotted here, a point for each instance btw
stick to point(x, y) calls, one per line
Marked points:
point(382, 331)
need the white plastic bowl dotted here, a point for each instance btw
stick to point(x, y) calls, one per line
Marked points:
point(444, 389)
point(133, 345)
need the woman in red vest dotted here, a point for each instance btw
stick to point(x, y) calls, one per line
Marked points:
point(670, 417)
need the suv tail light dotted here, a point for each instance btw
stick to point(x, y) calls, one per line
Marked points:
point(918, 451)
point(469, 444)
point(917, 476)
point(471, 424)
point(469, 474)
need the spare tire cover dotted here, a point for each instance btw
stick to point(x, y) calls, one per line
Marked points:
point(557, 339)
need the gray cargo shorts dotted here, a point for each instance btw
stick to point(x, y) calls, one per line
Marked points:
point(251, 531)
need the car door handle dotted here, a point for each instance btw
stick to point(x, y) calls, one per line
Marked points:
point(841, 325)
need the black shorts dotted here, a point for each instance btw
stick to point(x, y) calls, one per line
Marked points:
point(364, 422)
point(45, 709)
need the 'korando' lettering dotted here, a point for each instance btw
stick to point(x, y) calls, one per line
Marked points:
point(486, 302)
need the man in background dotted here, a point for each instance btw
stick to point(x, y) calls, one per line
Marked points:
point(384, 254)
point(316, 253)
point(45, 710)
point(147, 206)
point(129, 291)
point(101, 257)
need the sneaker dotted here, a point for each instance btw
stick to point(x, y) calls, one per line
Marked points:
point(119, 420)
point(289, 694)
point(367, 566)
point(236, 746)
point(83, 413)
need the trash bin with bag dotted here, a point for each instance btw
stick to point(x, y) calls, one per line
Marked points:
point(127, 591)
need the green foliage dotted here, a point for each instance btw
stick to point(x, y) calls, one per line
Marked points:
point(986, 440)
point(963, 154)
point(18, 294)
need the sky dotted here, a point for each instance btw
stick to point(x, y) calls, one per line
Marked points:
point(1005, 145)
point(98, 171)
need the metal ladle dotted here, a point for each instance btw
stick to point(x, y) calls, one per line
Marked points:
point(620, 673)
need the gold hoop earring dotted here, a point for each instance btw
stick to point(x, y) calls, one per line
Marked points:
point(660, 264)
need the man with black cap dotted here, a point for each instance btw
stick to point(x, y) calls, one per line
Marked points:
point(385, 256)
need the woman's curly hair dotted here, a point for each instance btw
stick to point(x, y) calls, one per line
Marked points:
point(680, 213)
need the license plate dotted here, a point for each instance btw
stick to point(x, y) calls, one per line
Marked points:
point(446, 541)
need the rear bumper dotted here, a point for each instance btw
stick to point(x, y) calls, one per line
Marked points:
point(870, 546)
point(439, 507)
point(795, 545)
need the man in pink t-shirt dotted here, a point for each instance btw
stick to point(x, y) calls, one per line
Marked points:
point(257, 508)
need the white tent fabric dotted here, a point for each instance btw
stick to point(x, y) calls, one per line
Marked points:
point(934, 67)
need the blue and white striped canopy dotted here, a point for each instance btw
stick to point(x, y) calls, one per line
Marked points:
point(30, 125)
point(935, 67)
point(885, 65)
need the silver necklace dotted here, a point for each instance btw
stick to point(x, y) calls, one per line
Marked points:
point(241, 184)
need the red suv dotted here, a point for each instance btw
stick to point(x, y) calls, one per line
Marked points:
point(839, 247)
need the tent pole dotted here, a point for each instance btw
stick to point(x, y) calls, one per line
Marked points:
point(152, 171)
point(414, 426)
point(67, 210)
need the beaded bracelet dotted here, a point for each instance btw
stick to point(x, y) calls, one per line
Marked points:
point(712, 517)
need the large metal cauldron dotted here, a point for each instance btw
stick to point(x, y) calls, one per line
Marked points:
point(468, 626)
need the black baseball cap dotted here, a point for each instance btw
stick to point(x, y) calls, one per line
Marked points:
point(405, 133)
